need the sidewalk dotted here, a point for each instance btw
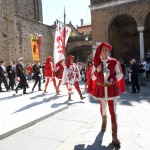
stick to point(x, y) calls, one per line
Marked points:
point(78, 127)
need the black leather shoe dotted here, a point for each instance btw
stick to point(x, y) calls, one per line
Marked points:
point(16, 90)
point(40, 90)
point(25, 93)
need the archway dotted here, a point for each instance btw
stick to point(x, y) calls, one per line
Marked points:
point(124, 37)
point(81, 53)
point(147, 33)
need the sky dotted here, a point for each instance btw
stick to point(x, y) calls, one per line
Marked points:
point(75, 10)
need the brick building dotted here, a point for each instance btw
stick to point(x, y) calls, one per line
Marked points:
point(85, 28)
point(19, 19)
point(123, 23)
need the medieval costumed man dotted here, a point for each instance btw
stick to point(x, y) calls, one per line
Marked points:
point(60, 70)
point(107, 79)
point(49, 71)
point(71, 76)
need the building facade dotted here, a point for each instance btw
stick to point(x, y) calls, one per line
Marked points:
point(123, 23)
point(19, 19)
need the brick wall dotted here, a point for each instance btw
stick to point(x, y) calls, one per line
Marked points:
point(16, 27)
point(103, 18)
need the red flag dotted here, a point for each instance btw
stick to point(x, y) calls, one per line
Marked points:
point(39, 44)
point(59, 47)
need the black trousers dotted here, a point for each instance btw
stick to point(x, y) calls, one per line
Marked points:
point(11, 82)
point(37, 80)
point(3, 79)
point(135, 84)
point(22, 84)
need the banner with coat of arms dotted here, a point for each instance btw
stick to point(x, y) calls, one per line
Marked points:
point(61, 37)
point(36, 46)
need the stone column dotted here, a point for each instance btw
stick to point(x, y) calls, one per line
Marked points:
point(141, 38)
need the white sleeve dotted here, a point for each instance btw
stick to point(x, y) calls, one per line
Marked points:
point(118, 72)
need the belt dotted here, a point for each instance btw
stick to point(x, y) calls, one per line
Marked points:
point(105, 84)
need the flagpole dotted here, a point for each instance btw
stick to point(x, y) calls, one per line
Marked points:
point(64, 33)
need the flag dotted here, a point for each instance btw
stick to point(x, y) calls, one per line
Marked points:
point(39, 44)
point(36, 46)
point(61, 37)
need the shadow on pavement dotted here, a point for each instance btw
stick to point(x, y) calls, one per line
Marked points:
point(128, 98)
point(40, 95)
point(10, 97)
point(46, 100)
point(28, 106)
point(97, 145)
point(55, 105)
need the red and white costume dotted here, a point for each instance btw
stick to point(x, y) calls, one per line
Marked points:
point(71, 75)
point(49, 71)
point(102, 92)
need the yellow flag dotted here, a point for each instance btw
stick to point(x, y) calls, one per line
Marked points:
point(34, 47)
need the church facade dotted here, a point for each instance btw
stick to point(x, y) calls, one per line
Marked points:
point(19, 19)
point(125, 24)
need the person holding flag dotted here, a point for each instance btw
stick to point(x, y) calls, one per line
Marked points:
point(71, 76)
point(49, 71)
point(106, 88)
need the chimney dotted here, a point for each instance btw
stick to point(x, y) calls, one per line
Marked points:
point(81, 22)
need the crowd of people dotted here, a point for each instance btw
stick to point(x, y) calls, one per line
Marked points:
point(136, 74)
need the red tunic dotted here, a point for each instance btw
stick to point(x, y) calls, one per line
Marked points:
point(60, 68)
point(29, 69)
point(88, 71)
point(49, 68)
point(112, 92)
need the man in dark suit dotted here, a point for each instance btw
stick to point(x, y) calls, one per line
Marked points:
point(134, 76)
point(37, 75)
point(11, 75)
point(22, 77)
point(3, 76)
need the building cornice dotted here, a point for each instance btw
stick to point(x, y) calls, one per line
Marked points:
point(109, 4)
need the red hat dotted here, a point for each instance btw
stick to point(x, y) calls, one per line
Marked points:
point(48, 60)
point(68, 60)
point(97, 59)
